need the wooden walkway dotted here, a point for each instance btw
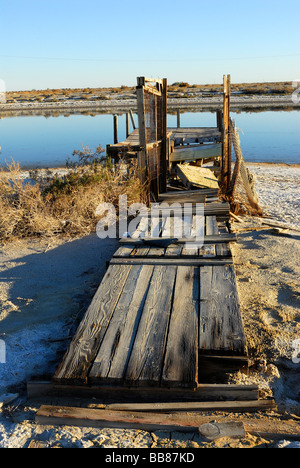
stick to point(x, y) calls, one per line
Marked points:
point(165, 315)
point(176, 137)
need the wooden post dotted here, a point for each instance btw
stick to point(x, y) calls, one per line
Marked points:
point(127, 124)
point(164, 152)
point(142, 155)
point(220, 120)
point(226, 150)
point(132, 119)
point(178, 118)
point(116, 138)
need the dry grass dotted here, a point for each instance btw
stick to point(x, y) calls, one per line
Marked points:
point(62, 205)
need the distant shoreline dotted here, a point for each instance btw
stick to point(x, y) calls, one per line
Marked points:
point(119, 105)
point(60, 170)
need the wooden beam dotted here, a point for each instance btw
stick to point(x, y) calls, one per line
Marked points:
point(164, 241)
point(226, 153)
point(100, 418)
point(169, 261)
point(210, 209)
point(164, 162)
point(142, 155)
point(127, 124)
point(186, 193)
point(192, 406)
point(132, 119)
point(195, 152)
point(123, 394)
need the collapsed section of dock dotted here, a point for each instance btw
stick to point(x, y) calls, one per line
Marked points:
point(165, 323)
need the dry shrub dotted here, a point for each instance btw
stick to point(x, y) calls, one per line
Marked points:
point(66, 205)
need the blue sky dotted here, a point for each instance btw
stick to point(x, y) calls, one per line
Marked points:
point(73, 43)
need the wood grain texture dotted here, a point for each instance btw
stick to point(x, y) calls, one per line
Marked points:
point(220, 326)
point(181, 359)
point(111, 361)
point(146, 359)
point(87, 340)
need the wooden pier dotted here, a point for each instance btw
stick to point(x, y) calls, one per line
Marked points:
point(165, 323)
point(165, 315)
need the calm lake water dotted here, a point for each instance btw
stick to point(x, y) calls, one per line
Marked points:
point(38, 141)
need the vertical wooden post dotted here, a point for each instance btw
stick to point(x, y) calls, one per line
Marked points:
point(178, 118)
point(142, 155)
point(164, 152)
point(220, 120)
point(127, 124)
point(132, 120)
point(226, 147)
point(116, 138)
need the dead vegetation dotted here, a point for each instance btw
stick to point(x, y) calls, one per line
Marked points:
point(62, 204)
point(177, 89)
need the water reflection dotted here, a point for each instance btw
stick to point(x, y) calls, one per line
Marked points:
point(48, 140)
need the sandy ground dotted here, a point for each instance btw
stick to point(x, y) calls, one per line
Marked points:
point(46, 284)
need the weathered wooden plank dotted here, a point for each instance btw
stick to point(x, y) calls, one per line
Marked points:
point(177, 226)
point(162, 241)
point(212, 209)
point(194, 152)
point(146, 359)
point(99, 418)
point(222, 249)
point(142, 228)
point(111, 361)
point(196, 176)
point(191, 406)
point(181, 358)
point(125, 250)
point(87, 340)
point(165, 261)
point(220, 325)
point(209, 250)
point(189, 193)
point(185, 199)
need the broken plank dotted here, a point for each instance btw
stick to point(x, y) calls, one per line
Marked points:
point(147, 355)
point(220, 326)
point(181, 358)
point(196, 176)
point(85, 345)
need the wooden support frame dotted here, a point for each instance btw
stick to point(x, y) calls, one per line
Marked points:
point(155, 134)
point(226, 150)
